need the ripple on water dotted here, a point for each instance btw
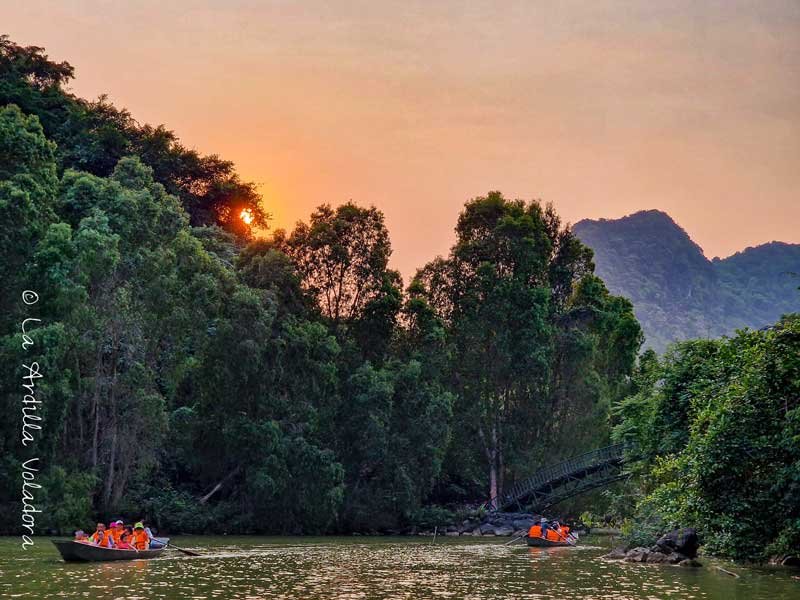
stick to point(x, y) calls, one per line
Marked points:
point(366, 568)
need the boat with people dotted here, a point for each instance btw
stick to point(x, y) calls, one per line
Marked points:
point(550, 535)
point(75, 551)
point(115, 542)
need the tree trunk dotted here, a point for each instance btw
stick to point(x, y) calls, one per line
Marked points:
point(219, 485)
point(493, 483)
point(112, 462)
point(499, 470)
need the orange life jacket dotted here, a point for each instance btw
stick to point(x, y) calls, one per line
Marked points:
point(116, 534)
point(139, 540)
point(535, 531)
point(554, 536)
point(102, 538)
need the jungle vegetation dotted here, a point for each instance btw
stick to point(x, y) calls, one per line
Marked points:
point(715, 433)
point(208, 380)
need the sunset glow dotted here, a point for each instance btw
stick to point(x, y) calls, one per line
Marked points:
point(247, 216)
point(603, 108)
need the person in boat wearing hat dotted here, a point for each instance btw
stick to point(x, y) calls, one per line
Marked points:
point(543, 525)
point(116, 531)
point(102, 537)
point(140, 540)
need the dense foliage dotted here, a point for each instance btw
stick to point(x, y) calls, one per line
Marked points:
point(679, 294)
point(209, 381)
point(199, 381)
point(537, 347)
point(716, 424)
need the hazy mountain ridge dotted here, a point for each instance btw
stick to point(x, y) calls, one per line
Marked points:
point(677, 292)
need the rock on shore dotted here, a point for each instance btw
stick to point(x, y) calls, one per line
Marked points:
point(678, 547)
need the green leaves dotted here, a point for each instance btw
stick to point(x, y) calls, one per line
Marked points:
point(536, 346)
point(715, 427)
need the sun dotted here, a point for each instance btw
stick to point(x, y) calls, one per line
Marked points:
point(247, 216)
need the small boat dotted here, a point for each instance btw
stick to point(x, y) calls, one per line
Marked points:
point(72, 551)
point(540, 542)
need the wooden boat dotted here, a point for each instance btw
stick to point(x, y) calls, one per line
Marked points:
point(540, 542)
point(72, 551)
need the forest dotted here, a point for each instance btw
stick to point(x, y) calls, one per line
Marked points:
point(214, 381)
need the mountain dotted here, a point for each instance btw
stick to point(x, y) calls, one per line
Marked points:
point(680, 294)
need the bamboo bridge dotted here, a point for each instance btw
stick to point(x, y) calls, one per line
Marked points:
point(555, 483)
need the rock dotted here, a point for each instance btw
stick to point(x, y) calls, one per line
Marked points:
point(477, 531)
point(683, 541)
point(503, 531)
point(451, 533)
point(615, 554)
point(487, 529)
point(689, 562)
point(522, 524)
point(637, 555)
point(675, 558)
point(657, 558)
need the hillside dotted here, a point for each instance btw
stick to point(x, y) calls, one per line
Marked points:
point(680, 294)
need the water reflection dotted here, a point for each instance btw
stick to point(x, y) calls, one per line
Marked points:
point(366, 568)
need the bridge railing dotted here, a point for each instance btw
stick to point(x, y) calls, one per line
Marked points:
point(573, 465)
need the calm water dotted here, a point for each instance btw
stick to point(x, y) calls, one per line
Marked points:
point(361, 567)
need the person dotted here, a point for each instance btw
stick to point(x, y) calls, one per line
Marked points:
point(125, 539)
point(101, 537)
point(80, 536)
point(555, 526)
point(544, 528)
point(140, 540)
point(116, 531)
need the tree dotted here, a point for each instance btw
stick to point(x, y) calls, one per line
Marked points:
point(342, 256)
point(506, 297)
point(716, 423)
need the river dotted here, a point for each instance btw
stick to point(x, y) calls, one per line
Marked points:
point(376, 567)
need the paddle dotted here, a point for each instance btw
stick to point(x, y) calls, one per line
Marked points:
point(187, 552)
point(515, 539)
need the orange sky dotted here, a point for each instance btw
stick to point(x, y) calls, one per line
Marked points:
point(601, 107)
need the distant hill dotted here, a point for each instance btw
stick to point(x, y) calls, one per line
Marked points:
point(677, 292)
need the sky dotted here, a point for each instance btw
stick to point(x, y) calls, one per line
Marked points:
point(602, 108)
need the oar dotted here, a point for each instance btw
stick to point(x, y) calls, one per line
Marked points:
point(515, 539)
point(187, 552)
point(565, 538)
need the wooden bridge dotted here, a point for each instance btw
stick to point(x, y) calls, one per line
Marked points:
point(550, 485)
